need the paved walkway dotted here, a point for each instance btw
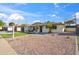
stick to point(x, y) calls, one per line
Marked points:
point(77, 53)
point(5, 48)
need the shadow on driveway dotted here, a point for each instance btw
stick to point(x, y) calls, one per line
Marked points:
point(68, 34)
point(56, 33)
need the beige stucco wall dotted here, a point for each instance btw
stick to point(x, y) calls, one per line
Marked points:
point(26, 29)
point(70, 29)
point(44, 29)
point(0, 27)
point(59, 29)
point(9, 28)
point(18, 28)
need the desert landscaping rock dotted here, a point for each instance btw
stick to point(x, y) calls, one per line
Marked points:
point(44, 45)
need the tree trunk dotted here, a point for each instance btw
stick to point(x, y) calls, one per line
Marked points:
point(49, 30)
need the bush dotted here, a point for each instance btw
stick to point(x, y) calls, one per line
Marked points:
point(67, 37)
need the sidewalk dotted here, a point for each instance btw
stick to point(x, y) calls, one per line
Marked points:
point(5, 48)
point(77, 53)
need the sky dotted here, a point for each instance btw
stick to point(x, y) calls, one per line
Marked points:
point(28, 13)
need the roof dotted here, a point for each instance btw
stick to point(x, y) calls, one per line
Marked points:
point(72, 21)
point(23, 25)
point(59, 23)
point(38, 24)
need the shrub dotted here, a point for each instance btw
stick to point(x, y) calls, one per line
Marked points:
point(67, 37)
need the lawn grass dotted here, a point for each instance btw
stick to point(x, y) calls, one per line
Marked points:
point(15, 35)
point(19, 34)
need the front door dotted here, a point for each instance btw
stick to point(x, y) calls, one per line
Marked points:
point(40, 28)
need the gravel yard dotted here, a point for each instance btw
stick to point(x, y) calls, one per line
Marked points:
point(46, 44)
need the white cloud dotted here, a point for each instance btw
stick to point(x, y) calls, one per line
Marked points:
point(56, 5)
point(53, 15)
point(2, 15)
point(9, 14)
point(36, 21)
point(77, 15)
point(8, 10)
point(16, 16)
point(9, 18)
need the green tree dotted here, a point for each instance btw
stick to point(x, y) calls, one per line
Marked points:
point(50, 26)
point(2, 23)
point(11, 24)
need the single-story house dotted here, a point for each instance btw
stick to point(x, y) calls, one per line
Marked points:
point(59, 27)
point(41, 28)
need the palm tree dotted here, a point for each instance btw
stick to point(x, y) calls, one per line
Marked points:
point(11, 24)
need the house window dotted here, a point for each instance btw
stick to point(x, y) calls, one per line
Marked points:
point(54, 27)
point(70, 26)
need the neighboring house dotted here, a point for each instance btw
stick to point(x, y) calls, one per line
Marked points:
point(1, 28)
point(18, 28)
point(4, 28)
point(9, 28)
point(70, 26)
point(77, 29)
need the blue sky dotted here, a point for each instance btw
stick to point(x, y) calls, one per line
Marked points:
point(28, 13)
